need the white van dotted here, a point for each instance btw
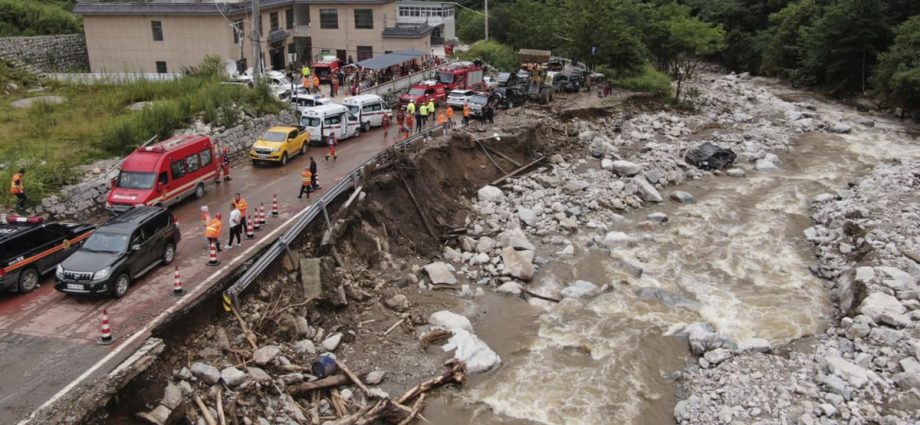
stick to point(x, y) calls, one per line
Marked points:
point(369, 108)
point(303, 101)
point(325, 120)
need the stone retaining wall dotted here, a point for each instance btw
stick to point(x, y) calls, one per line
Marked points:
point(86, 199)
point(46, 53)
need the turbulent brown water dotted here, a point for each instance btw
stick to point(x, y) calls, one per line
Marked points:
point(735, 259)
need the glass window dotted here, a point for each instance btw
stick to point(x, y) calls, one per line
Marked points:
point(310, 122)
point(273, 136)
point(161, 67)
point(135, 180)
point(163, 179)
point(273, 20)
point(205, 157)
point(106, 242)
point(192, 163)
point(156, 224)
point(157, 27)
point(238, 30)
point(329, 19)
point(365, 52)
point(364, 19)
point(336, 119)
point(178, 169)
point(289, 18)
point(292, 135)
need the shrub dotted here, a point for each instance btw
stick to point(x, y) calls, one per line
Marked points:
point(647, 79)
point(493, 53)
point(29, 17)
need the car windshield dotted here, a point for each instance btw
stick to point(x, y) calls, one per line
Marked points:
point(478, 99)
point(353, 108)
point(282, 81)
point(504, 76)
point(273, 136)
point(136, 180)
point(322, 72)
point(310, 122)
point(457, 94)
point(417, 92)
point(445, 77)
point(106, 242)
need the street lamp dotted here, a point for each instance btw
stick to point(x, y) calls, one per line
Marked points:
point(292, 57)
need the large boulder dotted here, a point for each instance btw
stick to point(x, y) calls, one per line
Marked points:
point(879, 304)
point(441, 273)
point(516, 239)
point(580, 289)
point(613, 240)
point(266, 354)
point(647, 191)
point(855, 375)
point(491, 194)
point(851, 290)
point(625, 168)
point(897, 279)
point(206, 373)
point(517, 264)
point(450, 320)
point(233, 377)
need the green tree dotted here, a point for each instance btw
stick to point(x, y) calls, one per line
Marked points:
point(898, 74)
point(840, 49)
point(689, 40)
point(469, 26)
point(782, 55)
point(493, 53)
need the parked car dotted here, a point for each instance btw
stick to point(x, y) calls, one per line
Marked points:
point(489, 82)
point(279, 144)
point(164, 173)
point(479, 100)
point(369, 108)
point(424, 92)
point(508, 79)
point(457, 98)
point(32, 248)
point(510, 97)
point(323, 121)
point(523, 75)
point(303, 101)
point(569, 80)
point(119, 251)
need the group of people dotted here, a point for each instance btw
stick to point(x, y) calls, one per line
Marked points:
point(417, 117)
point(237, 222)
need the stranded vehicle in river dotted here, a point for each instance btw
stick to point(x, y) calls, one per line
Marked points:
point(164, 173)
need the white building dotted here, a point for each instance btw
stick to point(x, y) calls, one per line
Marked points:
point(433, 13)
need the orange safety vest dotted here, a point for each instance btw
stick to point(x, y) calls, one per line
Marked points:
point(307, 177)
point(466, 111)
point(307, 82)
point(450, 112)
point(441, 117)
point(213, 229)
point(241, 205)
point(16, 185)
point(315, 80)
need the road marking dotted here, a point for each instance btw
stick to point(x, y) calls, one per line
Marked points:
point(142, 331)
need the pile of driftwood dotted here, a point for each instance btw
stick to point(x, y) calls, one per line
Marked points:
point(376, 410)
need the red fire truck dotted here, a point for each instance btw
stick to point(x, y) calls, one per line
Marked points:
point(327, 69)
point(457, 75)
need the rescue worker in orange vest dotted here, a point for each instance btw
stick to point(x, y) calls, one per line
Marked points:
point(205, 216)
point(241, 205)
point(225, 164)
point(315, 84)
point(408, 128)
point(450, 116)
point(332, 143)
point(466, 113)
point(442, 119)
point(17, 188)
point(306, 184)
point(307, 84)
point(385, 122)
point(335, 87)
point(212, 232)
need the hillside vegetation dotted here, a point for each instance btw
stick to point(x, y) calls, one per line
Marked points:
point(37, 17)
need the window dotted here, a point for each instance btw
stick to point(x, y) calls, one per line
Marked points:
point(329, 19)
point(157, 27)
point(192, 163)
point(335, 119)
point(238, 30)
point(289, 18)
point(161, 67)
point(364, 19)
point(365, 52)
point(163, 178)
point(292, 135)
point(273, 20)
point(205, 157)
point(178, 169)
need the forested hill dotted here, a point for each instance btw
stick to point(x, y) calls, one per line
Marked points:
point(846, 47)
point(37, 17)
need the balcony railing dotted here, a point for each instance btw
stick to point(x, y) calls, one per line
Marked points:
point(301, 30)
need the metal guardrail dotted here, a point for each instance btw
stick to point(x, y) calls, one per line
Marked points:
point(311, 213)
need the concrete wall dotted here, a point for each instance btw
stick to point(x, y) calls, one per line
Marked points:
point(125, 43)
point(49, 53)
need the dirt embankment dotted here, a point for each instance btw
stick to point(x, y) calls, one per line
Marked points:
point(372, 284)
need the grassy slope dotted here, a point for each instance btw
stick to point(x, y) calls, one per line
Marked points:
point(37, 17)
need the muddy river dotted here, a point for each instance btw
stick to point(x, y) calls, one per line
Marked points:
point(735, 259)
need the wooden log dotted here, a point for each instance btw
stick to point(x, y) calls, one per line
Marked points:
point(204, 411)
point(418, 207)
point(415, 410)
point(394, 326)
point(246, 331)
point(486, 151)
point(536, 295)
point(503, 156)
point(220, 407)
point(354, 378)
point(520, 170)
point(329, 381)
point(453, 375)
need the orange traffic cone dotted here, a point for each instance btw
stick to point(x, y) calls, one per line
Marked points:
point(106, 338)
point(262, 214)
point(274, 205)
point(212, 256)
point(255, 221)
point(249, 233)
point(177, 285)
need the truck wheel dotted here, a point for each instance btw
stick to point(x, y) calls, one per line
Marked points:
point(169, 253)
point(303, 148)
point(199, 191)
point(284, 158)
point(28, 281)
point(120, 288)
point(366, 126)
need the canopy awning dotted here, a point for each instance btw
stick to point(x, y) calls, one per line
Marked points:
point(377, 63)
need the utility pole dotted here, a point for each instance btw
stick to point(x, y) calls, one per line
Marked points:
point(256, 41)
point(487, 19)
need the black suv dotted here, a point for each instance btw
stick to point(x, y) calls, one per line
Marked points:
point(510, 97)
point(122, 249)
point(28, 251)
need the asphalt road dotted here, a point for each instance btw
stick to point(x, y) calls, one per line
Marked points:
point(48, 339)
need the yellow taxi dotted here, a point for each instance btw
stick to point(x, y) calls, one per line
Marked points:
point(279, 144)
